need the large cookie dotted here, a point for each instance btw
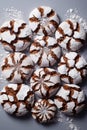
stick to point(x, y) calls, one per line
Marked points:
point(70, 99)
point(17, 67)
point(15, 35)
point(45, 82)
point(45, 51)
point(72, 68)
point(17, 99)
point(43, 20)
point(70, 35)
point(44, 110)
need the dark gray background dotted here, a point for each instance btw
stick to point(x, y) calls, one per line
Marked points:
point(11, 123)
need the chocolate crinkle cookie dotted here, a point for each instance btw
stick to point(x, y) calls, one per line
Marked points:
point(43, 21)
point(45, 82)
point(15, 35)
point(17, 99)
point(72, 68)
point(70, 35)
point(45, 51)
point(17, 67)
point(70, 99)
point(44, 110)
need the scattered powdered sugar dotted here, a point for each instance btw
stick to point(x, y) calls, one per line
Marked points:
point(12, 13)
point(68, 121)
point(60, 117)
point(73, 14)
point(71, 125)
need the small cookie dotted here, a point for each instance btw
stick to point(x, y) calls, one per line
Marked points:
point(43, 20)
point(17, 67)
point(45, 51)
point(15, 35)
point(72, 68)
point(70, 99)
point(17, 99)
point(44, 110)
point(45, 82)
point(70, 35)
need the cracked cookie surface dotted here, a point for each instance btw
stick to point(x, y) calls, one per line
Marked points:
point(45, 82)
point(15, 35)
point(45, 51)
point(43, 20)
point(70, 99)
point(72, 68)
point(44, 110)
point(17, 67)
point(70, 35)
point(17, 99)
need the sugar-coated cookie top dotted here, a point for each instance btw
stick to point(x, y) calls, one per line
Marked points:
point(15, 35)
point(45, 82)
point(17, 67)
point(45, 51)
point(70, 35)
point(43, 20)
point(17, 99)
point(72, 68)
point(70, 99)
point(44, 110)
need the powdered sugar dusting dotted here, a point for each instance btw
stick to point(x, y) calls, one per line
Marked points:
point(73, 14)
point(68, 121)
point(12, 13)
point(71, 125)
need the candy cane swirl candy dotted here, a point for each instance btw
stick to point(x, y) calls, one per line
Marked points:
point(70, 35)
point(15, 35)
point(43, 20)
point(17, 99)
point(45, 82)
point(45, 51)
point(70, 99)
point(44, 110)
point(17, 67)
point(72, 68)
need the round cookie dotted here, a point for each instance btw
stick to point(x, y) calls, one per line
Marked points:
point(72, 68)
point(44, 110)
point(70, 35)
point(15, 35)
point(17, 99)
point(17, 67)
point(45, 51)
point(70, 99)
point(43, 21)
point(45, 82)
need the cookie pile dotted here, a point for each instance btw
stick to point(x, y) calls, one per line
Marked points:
point(41, 79)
